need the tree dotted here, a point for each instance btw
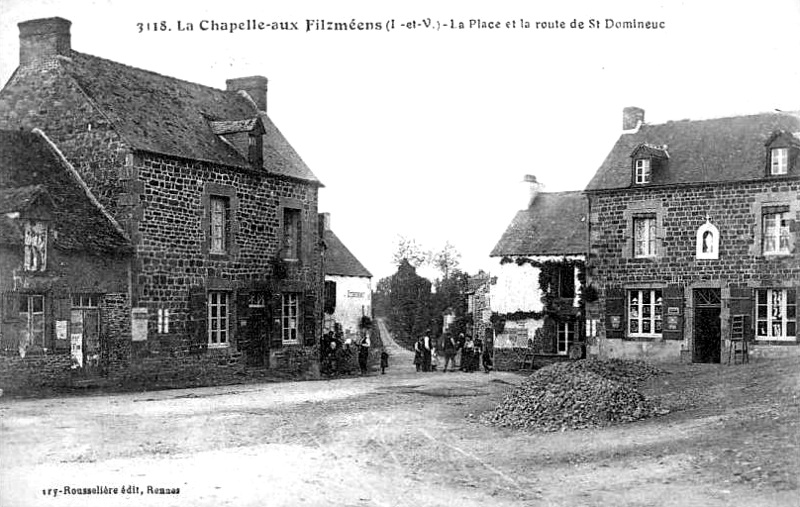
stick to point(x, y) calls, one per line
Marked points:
point(447, 259)
point(409, 304)
point(410, 250)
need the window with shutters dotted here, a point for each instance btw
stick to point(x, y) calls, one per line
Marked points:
point(35, 246)
point(776, 314)
point(290, 318)
point(565, 338)
point(218, 319)
point(644, 313)
point(644, 236)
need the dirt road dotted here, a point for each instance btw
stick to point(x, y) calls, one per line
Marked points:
point(404, 438)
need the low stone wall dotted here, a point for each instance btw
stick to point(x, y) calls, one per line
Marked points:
point(52, 373)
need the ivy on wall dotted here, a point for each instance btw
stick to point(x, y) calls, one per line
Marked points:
point(548, 278)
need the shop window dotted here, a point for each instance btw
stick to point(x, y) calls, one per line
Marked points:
point(644, 313)
point(776, 314)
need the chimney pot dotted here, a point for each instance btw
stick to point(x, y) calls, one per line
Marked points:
point(255, 86)
point(43, 39)
point(632, 118)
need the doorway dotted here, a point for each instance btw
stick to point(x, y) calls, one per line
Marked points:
point(707, 325)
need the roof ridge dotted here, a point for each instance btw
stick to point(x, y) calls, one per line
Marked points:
point(165, 76)
point(729, 117)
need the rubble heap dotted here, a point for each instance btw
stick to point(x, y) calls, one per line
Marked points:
point(576, 395)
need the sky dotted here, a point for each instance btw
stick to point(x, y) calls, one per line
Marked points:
point(427, 133)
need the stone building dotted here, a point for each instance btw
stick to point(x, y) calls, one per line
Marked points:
point(348, 286)
point(535, 299)
point(63, 266)
point(220, 211)
point(693, 226)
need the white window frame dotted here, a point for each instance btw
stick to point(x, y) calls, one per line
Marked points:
point(650, 224)
point(290, 318)
point(218, 223)
point(776, 314)
point(776, 241)
point(779, 161)
point(565, 337)
point(636, 309)
point(219, 318)
point(163, 321)
point(643, 171)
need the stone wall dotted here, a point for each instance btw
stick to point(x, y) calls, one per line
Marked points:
point(734, 208)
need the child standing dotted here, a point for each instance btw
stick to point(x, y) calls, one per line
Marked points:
point(384, 361)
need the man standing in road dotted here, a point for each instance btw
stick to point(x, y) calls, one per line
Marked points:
point(426, 351)
point(449, 352)
point(363, 353)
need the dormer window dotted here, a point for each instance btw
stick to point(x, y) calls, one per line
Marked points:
point(642, 171)
point(779, 161)
point(781, 153)
point(648, 159)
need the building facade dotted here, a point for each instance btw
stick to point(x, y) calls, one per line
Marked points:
point(348, 287)
point(693, 227)
point(535, 296)
point(220, 211)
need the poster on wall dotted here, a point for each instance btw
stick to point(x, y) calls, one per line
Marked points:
point(61, 329)
point(76, 349)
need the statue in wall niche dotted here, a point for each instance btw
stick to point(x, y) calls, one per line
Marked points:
point(708, 242)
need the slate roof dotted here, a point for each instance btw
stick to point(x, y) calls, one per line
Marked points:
point(555, 224)
point(700, 151)
point(339, 260)
point(20, 198)
point(31, 169)
point(165, 115)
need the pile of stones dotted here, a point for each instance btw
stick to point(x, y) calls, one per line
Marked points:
point(576, 395)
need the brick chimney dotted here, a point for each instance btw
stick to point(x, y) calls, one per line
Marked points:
point(533, 187)
point(255, 86)
point(632, 118)
point(43, 39)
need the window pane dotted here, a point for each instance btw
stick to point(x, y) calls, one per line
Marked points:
point(791, 329)
point(762, 328)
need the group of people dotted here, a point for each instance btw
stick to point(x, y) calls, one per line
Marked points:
point(473, 354)
point(336, 353)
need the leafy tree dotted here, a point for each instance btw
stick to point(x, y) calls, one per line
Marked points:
point(408, 249)
point(446, 260)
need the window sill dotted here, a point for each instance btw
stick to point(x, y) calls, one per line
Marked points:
point(644, 338)
point(773, 255)
point(291, 343)
point(775, 340)
point(218, 345)
point(645, 257)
